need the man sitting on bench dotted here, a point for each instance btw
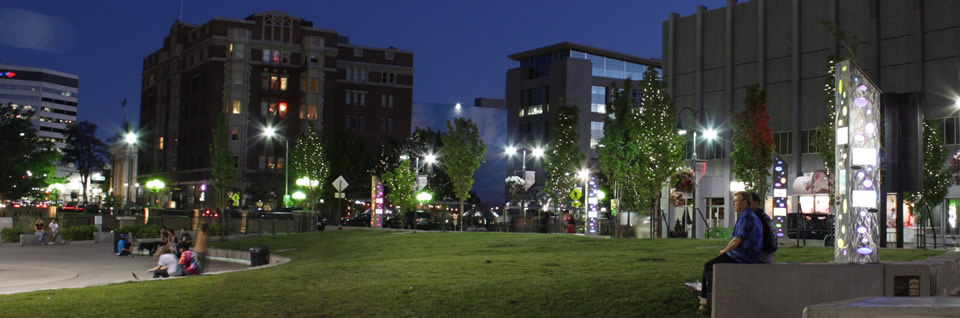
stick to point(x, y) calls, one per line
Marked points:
point(744, 247)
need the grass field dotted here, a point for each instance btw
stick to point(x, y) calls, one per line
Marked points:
point(361, 273)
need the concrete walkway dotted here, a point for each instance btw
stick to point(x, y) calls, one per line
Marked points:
point(78, 264)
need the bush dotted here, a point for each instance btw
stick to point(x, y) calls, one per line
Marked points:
point(11, 235)
point(141, 231)
point(78, 233)
point(215, 229)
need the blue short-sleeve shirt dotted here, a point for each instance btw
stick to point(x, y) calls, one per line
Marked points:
point(750, 232)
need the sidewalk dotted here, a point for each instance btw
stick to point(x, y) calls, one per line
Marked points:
point(78, 264)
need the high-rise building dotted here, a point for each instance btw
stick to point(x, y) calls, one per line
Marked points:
point(271, 70)
point(907, 48)
point(577, 74)
point(51, 94)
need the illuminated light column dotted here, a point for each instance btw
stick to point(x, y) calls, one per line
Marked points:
point(376, 206)
point(593, 203)
point(857, 193)
point(780, 195)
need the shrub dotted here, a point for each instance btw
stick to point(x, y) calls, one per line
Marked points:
point(216, 229)
point(141, 231)
point(78, 233)
point(11, 235)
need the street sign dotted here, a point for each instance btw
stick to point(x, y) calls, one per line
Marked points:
point(421, 182)
point(613, 207)
point(340, 184)
point(339, 195)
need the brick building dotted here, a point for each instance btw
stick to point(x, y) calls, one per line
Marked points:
point(267, 70)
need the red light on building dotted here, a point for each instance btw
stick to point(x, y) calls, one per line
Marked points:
point(8, 74)
point(283, 107)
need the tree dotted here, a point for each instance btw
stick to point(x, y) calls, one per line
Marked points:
point(28, 162)
point(936, 174)
point(85, 151)
point(753, 143)
point(618, 148)
point(563, 157)
point(347, 156)
point(461, 155)
point(400, 184)
point(660, 147)
point(221, 159)
point(308, 160)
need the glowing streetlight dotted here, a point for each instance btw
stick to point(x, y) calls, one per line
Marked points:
point(430, 158)
point(299, 195)
point(537, 152)
point(271, 132)
point(424, 197)
point(130, 138)
point(710, 134)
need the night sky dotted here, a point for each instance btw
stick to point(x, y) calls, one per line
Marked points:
point(460, 47)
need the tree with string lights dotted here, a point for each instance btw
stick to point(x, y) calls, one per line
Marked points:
point(563, 156)
point(308, 161)
point(400, 183)
point(936, 174)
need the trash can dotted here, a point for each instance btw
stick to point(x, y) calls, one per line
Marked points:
point(259, 255)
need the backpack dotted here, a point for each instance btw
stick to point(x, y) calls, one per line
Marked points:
point(769, 234)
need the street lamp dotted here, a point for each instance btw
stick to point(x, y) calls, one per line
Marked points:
point(155, 186)
point(537, 152)
point(270, 133)
point(131, 140)
point(710, 134)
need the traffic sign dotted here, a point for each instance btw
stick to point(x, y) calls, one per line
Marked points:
point(421, 182)
point(339, 195)
point(340, 184)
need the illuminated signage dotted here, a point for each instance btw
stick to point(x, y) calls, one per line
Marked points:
point(780, 195)
point(7, 74)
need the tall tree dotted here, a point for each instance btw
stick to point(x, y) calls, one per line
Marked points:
point(221, 159)
point(753, 143)
point(461, 156)
point(563, 157)
point(400, 184)
point(618, 148)
point(660, 147)
point(347, 156)
point(936, 173)
point(85, 151)
point(27, 162)
point(308, 160)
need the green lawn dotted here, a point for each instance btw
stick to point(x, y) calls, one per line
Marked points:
point(385, 273)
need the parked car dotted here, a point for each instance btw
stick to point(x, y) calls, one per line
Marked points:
point(815, 227)
point(72, 207)
point(357, 220)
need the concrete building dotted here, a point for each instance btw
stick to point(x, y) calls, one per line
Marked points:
point(270, 69)
point(53, 95)
point(909, 48)
point(577, 74)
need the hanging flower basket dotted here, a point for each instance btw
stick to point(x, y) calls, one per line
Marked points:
point(676, 197)
point(515, 186)
point(682, 181)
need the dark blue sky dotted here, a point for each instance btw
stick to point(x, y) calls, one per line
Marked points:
point(460, 47)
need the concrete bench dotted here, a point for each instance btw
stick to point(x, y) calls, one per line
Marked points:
point(785, 289)
point(870, 307)
point(33, 240)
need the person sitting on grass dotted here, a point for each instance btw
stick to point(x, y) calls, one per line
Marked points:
point(124, 247)
point(167, 265)
point(188, 260)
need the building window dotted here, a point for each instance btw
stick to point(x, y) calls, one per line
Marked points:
point(948, 128)
point(598, 99)
point(160, 143)
point(388, 55)
point(276, 57)
point(230, 50)
point(386, 124)
point(808, 141)
point(283, 83)
point(388, 77)
point(596, 133)
point(263, 163)
point(349, 76)
point(313, 59)
point(264, 109)
point(383, 101)
point(235, 134)
point(312, 112)
point(266, 56)
point(783, 142)
point(358, 52)
point(236, 161)
point(314, 85)
point(390, 101)
point(282, 108)
point(236, 106)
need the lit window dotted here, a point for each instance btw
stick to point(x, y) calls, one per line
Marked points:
point(272, 109)
point(160, 143)
point(314, 85)
point(283, 83)
point(266, 56)
point(235, 134)
point(236, 106)
point(276, 56)
point(312, 112)
point(274, 82)
point(283, 110)
point(230, 50)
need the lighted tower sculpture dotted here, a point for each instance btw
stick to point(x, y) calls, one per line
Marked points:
point(857, 190)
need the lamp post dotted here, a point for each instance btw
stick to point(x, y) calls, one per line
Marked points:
point(270, 133)
point(156, 186)
point(537, 152)
point(710, 134)
point(131, 140)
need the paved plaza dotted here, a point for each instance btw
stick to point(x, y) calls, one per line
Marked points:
point(78, 264)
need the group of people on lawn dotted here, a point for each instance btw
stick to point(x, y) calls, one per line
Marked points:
point(754, 241)
point(174, 256)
